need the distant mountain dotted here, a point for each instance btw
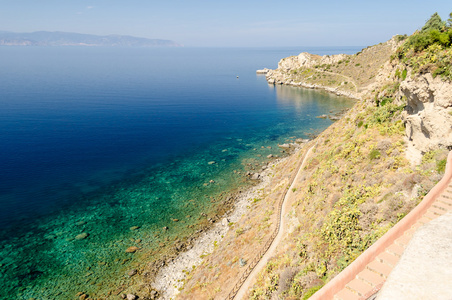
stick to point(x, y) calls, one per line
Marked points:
point(46, 38)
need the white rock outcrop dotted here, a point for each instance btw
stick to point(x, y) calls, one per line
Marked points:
point(428, 114)
point(307, 60)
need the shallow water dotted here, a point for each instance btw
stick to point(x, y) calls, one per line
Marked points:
point(102, 148)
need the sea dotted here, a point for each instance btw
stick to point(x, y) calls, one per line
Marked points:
point(108, 149)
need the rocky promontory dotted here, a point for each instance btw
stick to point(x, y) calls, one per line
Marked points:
point(372, 75)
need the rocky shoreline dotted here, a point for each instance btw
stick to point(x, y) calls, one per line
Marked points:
point(163, 277)
point(282, 75)
point(332, 90)
point(356, 163)
point(172, 274)
point(171, 277)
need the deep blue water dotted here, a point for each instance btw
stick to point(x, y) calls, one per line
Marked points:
point(112, 134)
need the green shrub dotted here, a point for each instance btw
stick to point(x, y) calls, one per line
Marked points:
point(404, 74)
point(311, 292)
point(385, 101)
point(400, 37)
point(428, 50)
point(385, 113)
point(374, 154)
point(441, 166)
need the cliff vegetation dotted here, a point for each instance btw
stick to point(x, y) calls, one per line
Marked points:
point(429, 49)
point(366, 171)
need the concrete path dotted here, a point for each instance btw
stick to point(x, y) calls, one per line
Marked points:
point(425, 269)
point(270, 252)
point(367, 274)
point(373, 277)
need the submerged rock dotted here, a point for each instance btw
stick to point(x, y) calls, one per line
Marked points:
point(302, 141)
point(132, 249)
point(82, 236)
point(154, 294)
point(255, 176)
point(242, 262)
point(284, 146)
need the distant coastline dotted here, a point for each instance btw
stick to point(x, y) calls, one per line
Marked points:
point(46, 38)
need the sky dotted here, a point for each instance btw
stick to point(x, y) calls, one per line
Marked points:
point(231, 23)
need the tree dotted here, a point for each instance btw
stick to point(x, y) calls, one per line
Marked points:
point(434, 22)
point(449, 21)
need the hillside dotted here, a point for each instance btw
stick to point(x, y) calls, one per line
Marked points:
point(348, 75)
point(365, 173)
point(45, 38)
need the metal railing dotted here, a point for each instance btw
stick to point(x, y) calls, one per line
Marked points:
point(269, 242)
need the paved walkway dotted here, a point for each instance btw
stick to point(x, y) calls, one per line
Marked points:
point(367, 274)
point(425, 269)
point(369, 280)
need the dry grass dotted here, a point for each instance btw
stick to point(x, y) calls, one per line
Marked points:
point(220, 270)
point(356, 185)
point(352, 74)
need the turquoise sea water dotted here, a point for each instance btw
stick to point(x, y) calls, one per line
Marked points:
point(103, 147)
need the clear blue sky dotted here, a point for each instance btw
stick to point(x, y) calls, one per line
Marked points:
point(228, 23)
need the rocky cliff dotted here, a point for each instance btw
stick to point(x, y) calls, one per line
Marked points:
point(374, 75)
point(428, 113)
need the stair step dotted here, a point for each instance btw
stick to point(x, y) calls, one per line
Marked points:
point(412, 230)
point(403, 240)
point(445, 199)
point(424, 220)
point(379, 268)
point(360, 286)
point(442, 206)
point(436, 210)
point(346, 294)
point(416, 226)
point(388, 258)
point(370, 277)
point(396, 249)
point(430, 215)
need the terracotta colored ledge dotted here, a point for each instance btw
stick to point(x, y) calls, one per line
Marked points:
point(348, 274)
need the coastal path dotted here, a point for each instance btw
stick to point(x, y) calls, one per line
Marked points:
point(247, 279)
point(346, 77)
